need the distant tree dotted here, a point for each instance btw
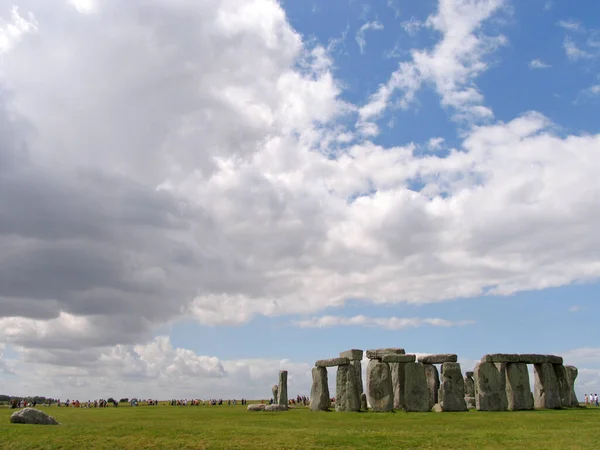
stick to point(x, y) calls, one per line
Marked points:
point(110, 400)
point(124, 400)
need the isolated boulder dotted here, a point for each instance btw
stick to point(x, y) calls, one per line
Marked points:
point(32, 416)
point(276, 408)
point(256, 407)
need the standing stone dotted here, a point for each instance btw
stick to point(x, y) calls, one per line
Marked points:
point(572, 373)
point(355, 357)
point(469, 386)
point(283, 391)
point(397, 370)
point(416, 393)
point(564, 391)
point(275, 390)
point(547, 394)
point(452, 388)
point(320, 400)
point(490, 387)
point(433, 383)
point(379, 386)
point(518, 390)
point(363, 402)
point(346, 394)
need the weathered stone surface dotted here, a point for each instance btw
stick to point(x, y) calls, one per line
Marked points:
point(469, 386)
point(534, 359)
point(437, 408)
point(276, 408)
point(433, 383)
point(518, 389)
point(282, 395)
point(379, 352)
point(320, 400)
point(547, 394)
point(352, 355)
point(490, 387)
point(32, 416)
point(333, 362)
point(255, 407)
point(452, 388)
point(346, 393)
point(357, 366)
point(379, 386)
point(416, 394)
point(553, 359)
point(363, 402)
point(469, 374)
point(438, 359)
point(501, 358)
point(275, 391)
point(572, 373)
point(397, 371)
point(398, 358)
point(471, 403)
point(564, 392)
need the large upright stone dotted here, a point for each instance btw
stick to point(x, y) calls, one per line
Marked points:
point(416, 393)
point(490, 387)
point(379, 386)
point(572, 373)
point(320, 400)
point(346, 392)
point(356, 365)
point(469, 385)
point(452, 388)
point(564, 392)
point(433, 383)
point(363, 402)
point(275, 391)
point(397, 371)
point(547, 393)
point(518, 389)
point(438, 359)
point(282, 395)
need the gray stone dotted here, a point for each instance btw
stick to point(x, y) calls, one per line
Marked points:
point(397, 371)
point(32, 416)
point(572, 373)
point(437, 408)
point(398, 358)
point(452, 388)
point(471, 403)
point(333, 362)
point(469, 386)
point(255, 407)
point(501, 358)
point(490, 387)
point(433, 383)
point(469, 374)
point(363, 402)
point(320, 400)
point(379, 386)
point(276, 408)
point(518, 389)
point(564, 392)
point(534, 359)
point(346, 392)
point(438, 359)
point(553, 359)
point(352, 355)
point(547, 394)
point(357, 366)
point(416, 394)
point(379, 352)
point(282, 395)
point(275, 390)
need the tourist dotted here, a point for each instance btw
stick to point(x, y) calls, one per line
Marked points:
point(596, 399)
point(586, 400)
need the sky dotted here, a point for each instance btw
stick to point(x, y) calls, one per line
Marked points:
point(195, 195)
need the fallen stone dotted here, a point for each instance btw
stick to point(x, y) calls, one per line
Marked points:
point(276, 408)
point(397, 371)
point(379, 352)
point(256, 407)
point(469, 386)
point(438, 359)
point(320, 400)
point(437, 408)
point(433, 383)
point(416, 393)
point(379, 386)
point(363, 402)
point(333, 362)
point(398, 358)
point(490, 387)
point(572, 373)
point(534, 359)
point(546, 392)
point(346, 393)
point(32, 416)
point(501, 358)
point(452, 388)
point(564, 391)
point(352, 355)
point(275, 390)
point(469, 374)
point(283, 388)
point(518, 390)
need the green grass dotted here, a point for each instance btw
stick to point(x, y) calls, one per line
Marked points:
point(234, 427)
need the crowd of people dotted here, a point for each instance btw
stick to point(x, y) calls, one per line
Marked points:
point(591, 400)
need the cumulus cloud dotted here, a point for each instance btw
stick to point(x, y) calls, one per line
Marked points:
point(538, 64)
point(389, 323)
point(374, 25)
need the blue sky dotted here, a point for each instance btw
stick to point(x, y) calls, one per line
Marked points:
point(238, 187)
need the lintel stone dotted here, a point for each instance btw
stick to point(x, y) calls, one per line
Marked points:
point(501, 358)
point(469, 374)
point(333, 362)
point(379, 352)
point(352, 355)
point(534, 359)
point(398, 358)
point(438, 359)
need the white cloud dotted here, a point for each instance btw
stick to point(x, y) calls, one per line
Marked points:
point(360, 34)
point(570, 25)
point(575, 308)
point(435, 143)
point(389, 323)
point(412, 26)
point(573, 52)
point(12, 32)
point(538, 64)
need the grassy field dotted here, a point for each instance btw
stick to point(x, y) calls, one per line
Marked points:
point(234, 427)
